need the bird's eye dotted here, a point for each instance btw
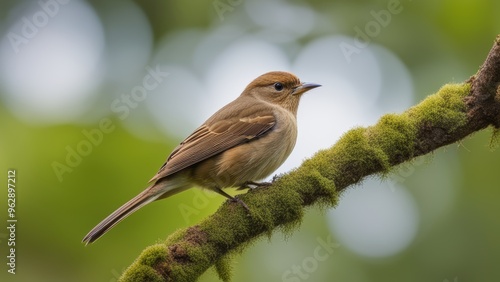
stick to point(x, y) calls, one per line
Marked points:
point(278, 86)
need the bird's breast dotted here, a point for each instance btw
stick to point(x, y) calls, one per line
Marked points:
point(259, 158)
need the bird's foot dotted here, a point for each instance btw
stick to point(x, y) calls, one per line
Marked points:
point(238, 200)
point(253, 185)
point(231, 198)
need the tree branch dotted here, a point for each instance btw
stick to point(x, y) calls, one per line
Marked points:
point(448, 116)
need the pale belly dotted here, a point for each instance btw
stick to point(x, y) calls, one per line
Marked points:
point(259, 158)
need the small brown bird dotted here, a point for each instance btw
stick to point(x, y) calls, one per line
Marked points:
point(243, 142)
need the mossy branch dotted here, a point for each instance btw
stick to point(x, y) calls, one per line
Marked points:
point(448, 116)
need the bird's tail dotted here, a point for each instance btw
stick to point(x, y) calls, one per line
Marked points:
point(154, 192)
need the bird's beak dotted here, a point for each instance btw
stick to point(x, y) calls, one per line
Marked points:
point(304, 87)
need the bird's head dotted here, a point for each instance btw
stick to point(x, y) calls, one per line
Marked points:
point(279, 88)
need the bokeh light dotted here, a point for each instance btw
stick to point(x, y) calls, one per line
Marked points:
point(375, 221)
point(51, 61)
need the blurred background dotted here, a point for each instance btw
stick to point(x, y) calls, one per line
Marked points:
point(94, 95)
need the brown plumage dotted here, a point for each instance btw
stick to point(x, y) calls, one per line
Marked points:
point(243, 142)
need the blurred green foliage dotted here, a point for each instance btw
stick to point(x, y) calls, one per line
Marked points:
point(439, 41)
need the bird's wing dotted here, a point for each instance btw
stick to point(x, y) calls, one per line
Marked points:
point(216, 137)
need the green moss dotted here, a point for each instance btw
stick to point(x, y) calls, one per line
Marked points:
point(316, 188)
point(445, 109)
point(287, 202)
point(175, 237)
point(222, 226)
point(152, 255)
point(350, 158)
point(223, 267)
point(143, 269)
point(394, 135)
point(138, 272)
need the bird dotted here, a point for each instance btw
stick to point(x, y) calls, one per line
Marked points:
point(242, 143)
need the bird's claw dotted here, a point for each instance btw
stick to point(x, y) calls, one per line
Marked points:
point(253, 185)
point(237, 200)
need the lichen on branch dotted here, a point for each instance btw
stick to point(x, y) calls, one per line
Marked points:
point(449, 115)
